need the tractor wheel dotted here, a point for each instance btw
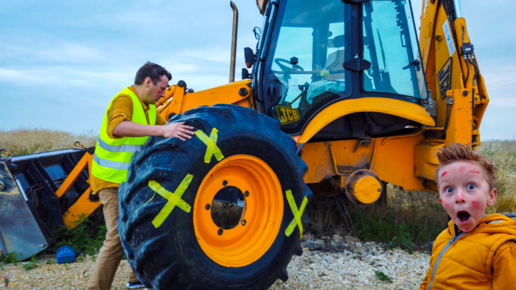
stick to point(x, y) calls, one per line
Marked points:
point(170, 206)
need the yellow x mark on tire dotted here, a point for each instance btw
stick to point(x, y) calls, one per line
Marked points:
point(297, 214)
point(174, 199)
point(211, 143)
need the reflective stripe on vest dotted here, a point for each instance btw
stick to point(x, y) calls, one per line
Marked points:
point(111, 164)
point(119, 148)
point(112, 156)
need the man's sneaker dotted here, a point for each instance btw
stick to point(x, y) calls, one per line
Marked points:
point(135, 285)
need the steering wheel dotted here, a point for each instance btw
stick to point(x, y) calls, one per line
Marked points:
point(285, 68)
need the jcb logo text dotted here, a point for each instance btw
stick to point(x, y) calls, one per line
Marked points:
point(287, 115)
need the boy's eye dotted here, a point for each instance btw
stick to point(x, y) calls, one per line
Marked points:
point(448, 189)
point(471, 186)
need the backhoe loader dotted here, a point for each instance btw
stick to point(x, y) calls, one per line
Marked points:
point(340, 91)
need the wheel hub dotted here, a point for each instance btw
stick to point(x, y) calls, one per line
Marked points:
point(258, 224)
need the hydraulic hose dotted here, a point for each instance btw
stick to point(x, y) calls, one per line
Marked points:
point(476, 70)
point(467, 66)
point(445, 127)
point(465, 55)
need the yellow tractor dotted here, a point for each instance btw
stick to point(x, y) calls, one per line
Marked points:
point(339, 91)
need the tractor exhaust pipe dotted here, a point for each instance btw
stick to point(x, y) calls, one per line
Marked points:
point(233, 43)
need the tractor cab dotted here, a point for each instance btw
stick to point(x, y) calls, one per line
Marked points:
point(313, 54)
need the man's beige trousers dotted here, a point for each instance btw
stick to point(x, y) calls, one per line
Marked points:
point(112, 251)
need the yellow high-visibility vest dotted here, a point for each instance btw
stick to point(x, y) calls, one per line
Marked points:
point(112, 156)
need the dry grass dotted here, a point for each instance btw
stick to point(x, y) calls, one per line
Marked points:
point(503, 154)
point(27, 141)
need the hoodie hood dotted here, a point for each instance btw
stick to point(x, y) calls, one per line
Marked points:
point(493, 223)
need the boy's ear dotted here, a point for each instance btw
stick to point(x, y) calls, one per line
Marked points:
point(492, 197)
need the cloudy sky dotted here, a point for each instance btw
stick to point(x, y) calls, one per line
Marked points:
point(61, 62)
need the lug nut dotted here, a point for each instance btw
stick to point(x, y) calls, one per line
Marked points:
point(243, 222)
point(207, 207)
point(220, 232)
point(246, 193)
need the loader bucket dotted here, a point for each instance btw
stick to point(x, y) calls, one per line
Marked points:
point(30, 210)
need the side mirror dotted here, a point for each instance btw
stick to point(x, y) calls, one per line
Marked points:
point(245, 74)
point(249, 57)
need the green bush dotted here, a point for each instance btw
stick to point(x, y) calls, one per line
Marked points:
point(10, 258)
point(86, 238)
point(382, 277)
point(32, 264)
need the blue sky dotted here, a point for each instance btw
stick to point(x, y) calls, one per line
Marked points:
point(61, 62)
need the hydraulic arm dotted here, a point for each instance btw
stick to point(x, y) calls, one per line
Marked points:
point(452, 72)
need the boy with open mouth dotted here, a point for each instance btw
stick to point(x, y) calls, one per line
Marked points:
point(476, 251)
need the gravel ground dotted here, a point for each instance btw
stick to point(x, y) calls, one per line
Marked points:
point(328, 263)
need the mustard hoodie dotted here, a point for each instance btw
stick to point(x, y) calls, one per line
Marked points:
point(484, 258)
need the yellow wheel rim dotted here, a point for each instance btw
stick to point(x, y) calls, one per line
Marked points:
point(367, 189)
point(263, 211)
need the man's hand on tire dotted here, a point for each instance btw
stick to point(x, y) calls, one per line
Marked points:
point(178, 130)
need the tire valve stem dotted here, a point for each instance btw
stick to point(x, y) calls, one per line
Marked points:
point(207, 207)
point(243, 222)
point(246, 193)
point(220, 232)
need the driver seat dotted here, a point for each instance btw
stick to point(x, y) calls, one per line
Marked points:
point(335, 60)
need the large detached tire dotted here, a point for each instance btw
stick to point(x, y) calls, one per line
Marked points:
point(166, 225)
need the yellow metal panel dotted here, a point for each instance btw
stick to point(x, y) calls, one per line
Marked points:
point(460, 125)
point(80, 210)
point(378, 105)
point(169, 92)
point(331, 158)
point(76, 172)
point(393, 161)
point(478, 87)
point(481, 102)
point(426, 161)
point(351, 155)
point(83, 207)
point(426, 39)
point(226, 94)
point(443, 59)
point(391, 158)
point(172, 102)
point(318, 158)
point(460, 26)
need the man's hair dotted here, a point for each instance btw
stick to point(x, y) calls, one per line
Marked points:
point(456, 152)
point(153, 71)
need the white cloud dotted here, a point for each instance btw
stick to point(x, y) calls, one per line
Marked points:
point(55, 52)
point(59, 76)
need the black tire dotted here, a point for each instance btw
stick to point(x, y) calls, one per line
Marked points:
point(169, 257)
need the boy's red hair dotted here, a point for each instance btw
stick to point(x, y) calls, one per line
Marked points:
point(456, 151)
